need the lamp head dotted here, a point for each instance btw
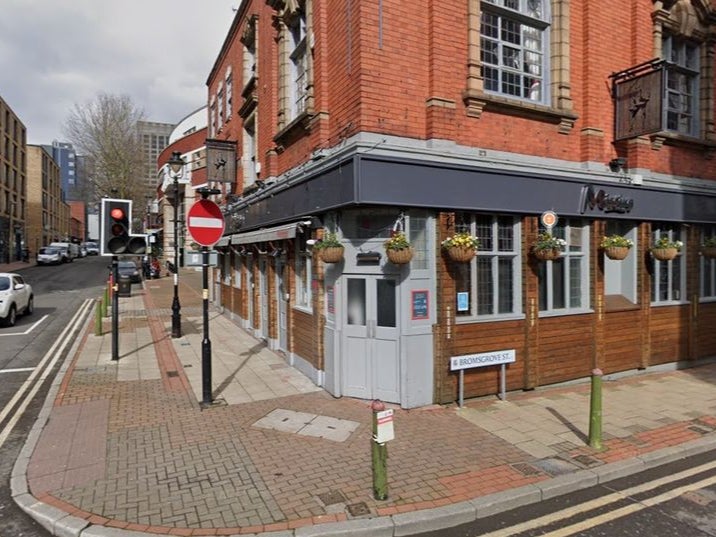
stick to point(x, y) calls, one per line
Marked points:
point(176, 163)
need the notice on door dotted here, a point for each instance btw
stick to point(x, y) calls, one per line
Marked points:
point(419, 300)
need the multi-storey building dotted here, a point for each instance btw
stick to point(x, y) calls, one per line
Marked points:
point(13, 171)
point(48, 216)
point(153, 138)
point(503, 119)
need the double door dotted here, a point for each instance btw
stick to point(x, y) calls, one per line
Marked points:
point(370, 342)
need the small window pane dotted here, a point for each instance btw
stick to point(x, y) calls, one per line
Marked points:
point(356, 301)
point(385, 298)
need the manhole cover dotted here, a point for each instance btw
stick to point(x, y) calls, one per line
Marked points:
point(526, 469)
point(699, 429)
point(331, 497)
point(172, 373)
point(586, 460)
point(358, 509)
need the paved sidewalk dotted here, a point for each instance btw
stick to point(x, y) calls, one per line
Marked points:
point(123, 447)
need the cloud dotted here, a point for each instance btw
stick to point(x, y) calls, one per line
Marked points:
point(64, 52)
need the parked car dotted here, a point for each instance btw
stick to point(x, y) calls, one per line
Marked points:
point(83, 251)
point(92, 248)
point(49, 255)
point(15, 298)
point(129, 268)
point(73, 250)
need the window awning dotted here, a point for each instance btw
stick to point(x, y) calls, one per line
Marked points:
point(286, 231)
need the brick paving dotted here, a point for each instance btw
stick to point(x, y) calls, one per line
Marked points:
point(128, 446)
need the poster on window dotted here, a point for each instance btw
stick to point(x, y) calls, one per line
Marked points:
point(463, 302)
point(419, 303)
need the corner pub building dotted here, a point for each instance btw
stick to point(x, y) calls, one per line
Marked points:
point(479, 116)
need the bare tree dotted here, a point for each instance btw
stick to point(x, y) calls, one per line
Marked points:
point(105, 131)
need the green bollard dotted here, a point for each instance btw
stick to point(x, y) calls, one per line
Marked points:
point(595, 411)
point(105, 302)
point(98, 319)
point(380, 457)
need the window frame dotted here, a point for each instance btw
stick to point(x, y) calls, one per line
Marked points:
point(674, 232)
point(707, 267)
point(678, 67)
point(504, 16)
point(469, 223)
point(303, 299)
point(546, 271)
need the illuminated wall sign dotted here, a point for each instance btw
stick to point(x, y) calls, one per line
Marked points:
point(591, 199)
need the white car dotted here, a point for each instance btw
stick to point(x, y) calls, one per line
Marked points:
point(15, 298)
point(49, 255)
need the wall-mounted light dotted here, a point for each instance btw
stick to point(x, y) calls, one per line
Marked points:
point(368, 257)
point(618, 164)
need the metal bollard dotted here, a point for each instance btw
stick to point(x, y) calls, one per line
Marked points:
point(379, 456)
point(595, 411)
point(98, 318)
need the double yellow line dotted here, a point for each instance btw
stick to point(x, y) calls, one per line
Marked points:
point(613, 497)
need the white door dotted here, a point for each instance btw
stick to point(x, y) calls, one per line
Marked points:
point(281, 293)
point(370, 357)
point(250, 292)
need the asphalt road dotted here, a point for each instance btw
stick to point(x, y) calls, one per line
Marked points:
point(30, 355)
point(677, 499)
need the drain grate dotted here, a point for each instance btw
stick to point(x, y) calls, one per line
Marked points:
point(699, 429)
point(172, 373)
point(526, 469)
point(586, 461)
point(358, 509)
point(331, 497)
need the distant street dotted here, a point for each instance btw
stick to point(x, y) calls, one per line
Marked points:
point(32, 352)
point(675, 499)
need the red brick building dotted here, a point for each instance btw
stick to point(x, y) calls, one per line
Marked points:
point(434, 118)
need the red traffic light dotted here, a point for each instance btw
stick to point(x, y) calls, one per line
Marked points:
point(117, 213)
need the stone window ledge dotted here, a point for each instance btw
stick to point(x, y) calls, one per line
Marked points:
point(477, 102)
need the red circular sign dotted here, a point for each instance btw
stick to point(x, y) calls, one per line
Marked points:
point(205, 222)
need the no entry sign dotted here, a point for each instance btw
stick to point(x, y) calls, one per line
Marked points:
point(205, 222)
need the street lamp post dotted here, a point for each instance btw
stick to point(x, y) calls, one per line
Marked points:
point(176, 166)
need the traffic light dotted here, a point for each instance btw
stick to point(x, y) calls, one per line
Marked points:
point(115, 234)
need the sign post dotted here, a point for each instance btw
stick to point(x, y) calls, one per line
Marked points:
point(484, 359)
point(206, 226)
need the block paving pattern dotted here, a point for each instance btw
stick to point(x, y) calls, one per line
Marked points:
point(128, 446)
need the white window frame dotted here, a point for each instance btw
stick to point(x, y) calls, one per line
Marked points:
point(303, 260)
point(531, 55)
point(707, 268)
point(229, 94)
point(681, 101)
point(238, 267)
point(226, 269)
point(298, 62)
point(493, 255)
point(249, 159)
point(621, 275)
point(676, 268)
point(569, 255)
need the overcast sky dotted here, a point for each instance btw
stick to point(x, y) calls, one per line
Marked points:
point(56, 53)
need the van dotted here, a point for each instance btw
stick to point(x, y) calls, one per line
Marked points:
point(73, 250)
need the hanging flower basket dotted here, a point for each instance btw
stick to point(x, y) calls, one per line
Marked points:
point(400, 257)
point(664, 254)
point(616, 252)
point(547, 254)
point(709, 252)
point(461, 254)
point(331, 254)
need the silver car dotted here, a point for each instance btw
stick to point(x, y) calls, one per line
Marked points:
point(15, 298)
point(49, 255)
